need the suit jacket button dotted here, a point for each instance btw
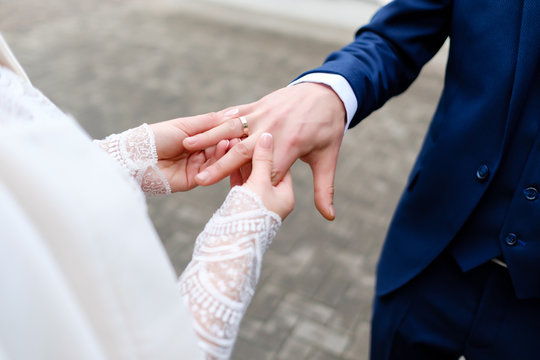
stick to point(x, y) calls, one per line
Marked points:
point(511, 239)
point(530, 193)
point(482, 174)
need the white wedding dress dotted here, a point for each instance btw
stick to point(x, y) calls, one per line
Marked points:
point(83, 274)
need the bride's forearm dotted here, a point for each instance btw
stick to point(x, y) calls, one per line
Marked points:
point(220, 280)
point(135, 151)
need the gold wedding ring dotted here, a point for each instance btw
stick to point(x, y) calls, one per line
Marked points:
point(244, 125)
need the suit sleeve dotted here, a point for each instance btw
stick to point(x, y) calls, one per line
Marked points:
point(389, 52)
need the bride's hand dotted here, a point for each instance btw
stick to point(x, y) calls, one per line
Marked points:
point(178, 165)
point(278, 198)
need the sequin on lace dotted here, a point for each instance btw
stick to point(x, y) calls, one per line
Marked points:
point(220, 280)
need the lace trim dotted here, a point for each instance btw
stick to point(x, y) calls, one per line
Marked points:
point(135, 150)
point(220, 280)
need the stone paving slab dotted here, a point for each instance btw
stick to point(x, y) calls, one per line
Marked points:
point(115, 64)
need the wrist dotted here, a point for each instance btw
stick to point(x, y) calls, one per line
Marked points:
point(325, 94)
point(250, 200)
point(339, 85)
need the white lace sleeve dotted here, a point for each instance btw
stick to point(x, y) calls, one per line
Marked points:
point(135, 150)
point(220, 280)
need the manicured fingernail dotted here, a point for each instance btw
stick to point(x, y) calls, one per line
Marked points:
point(191, 140)
point(266, 140)
point(202, 176)
point(232, 112)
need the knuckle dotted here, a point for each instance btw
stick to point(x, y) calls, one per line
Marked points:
point(325, 190)
point(218, 167)
point(214, 118)
point(192, 126)
point(331, 190)
point(295, 142)
point(242, 150)
point(206, 137)
point(262, 157)
point(186, 127)
point(232, 125)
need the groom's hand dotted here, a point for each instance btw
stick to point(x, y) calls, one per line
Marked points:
point(307, 122)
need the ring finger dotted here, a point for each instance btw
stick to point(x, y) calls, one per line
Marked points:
point(233, 128)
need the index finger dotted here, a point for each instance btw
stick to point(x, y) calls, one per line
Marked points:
point(196, 124)
point(239, 155)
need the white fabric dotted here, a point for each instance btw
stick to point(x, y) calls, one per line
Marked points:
point(220, 280)
point(340, 86)
point(28, 272)
point(135, 150)
point(87, 237)
point(83, 274)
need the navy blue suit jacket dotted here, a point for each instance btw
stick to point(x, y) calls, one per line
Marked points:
point(494, 51)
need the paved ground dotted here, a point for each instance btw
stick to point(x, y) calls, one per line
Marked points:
point(115, 64)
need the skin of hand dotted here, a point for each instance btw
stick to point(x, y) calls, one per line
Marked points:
point(307, 122)
point(278, 198)
point(179, 165)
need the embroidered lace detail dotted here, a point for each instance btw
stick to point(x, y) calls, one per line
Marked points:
point(220, 280)
point(135, 150)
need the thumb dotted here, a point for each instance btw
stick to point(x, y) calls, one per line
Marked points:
point(324, 172)
point(262, 159)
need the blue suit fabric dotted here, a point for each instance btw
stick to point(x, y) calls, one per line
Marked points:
point(427, 319)
point(473, 189)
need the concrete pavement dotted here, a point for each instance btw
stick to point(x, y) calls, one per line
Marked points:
point(115, 64)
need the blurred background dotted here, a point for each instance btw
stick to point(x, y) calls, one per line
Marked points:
point(114, 64)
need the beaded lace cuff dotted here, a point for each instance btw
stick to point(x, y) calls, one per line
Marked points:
point(135, 150)
point(220, 280)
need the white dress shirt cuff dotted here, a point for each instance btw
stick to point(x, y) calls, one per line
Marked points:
point(340, 86)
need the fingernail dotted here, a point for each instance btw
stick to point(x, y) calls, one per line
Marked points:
point(266, 140)
point(273, 177)
point(202, 176)
point(232, 112)
point(191, 140)
point(331, 211)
